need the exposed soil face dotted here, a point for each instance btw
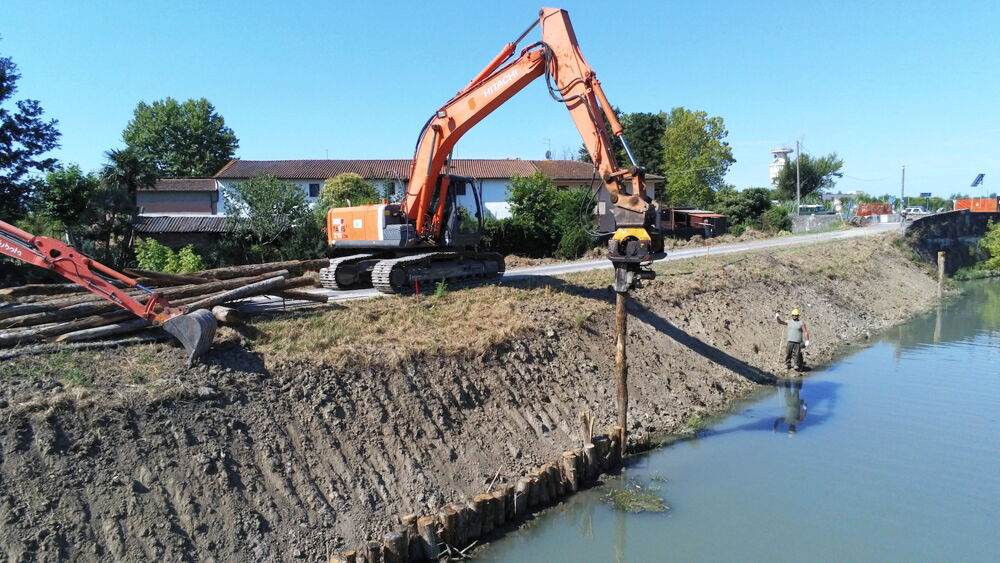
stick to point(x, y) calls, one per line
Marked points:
point(272, 457)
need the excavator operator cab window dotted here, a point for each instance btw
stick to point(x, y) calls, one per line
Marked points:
point(464, 220)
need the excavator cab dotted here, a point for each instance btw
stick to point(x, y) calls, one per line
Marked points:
point(463, 224)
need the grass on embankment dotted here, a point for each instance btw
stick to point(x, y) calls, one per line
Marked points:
point(467, 321)
point(470, 321)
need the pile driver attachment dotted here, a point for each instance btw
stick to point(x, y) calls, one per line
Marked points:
point(195, 330)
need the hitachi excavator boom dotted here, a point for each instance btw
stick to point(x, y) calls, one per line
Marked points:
point(432, 234)
point(195, 330)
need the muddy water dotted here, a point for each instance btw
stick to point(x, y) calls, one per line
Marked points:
point(897, 458)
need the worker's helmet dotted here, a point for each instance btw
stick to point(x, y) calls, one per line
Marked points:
point(795, 312)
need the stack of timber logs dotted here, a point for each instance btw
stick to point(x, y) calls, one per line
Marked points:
point(451, 533)
point(35, 314)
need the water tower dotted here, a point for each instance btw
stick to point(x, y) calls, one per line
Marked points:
point(779, 162)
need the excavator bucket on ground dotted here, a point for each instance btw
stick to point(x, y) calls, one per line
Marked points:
point(195, 331)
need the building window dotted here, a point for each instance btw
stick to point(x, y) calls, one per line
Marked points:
point(390, 188)
point(313, 190)
point(460, 188)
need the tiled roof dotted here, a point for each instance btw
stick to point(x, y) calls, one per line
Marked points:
point(182, 224)
point(391, 168)
point(566, 169)
point(182, 185)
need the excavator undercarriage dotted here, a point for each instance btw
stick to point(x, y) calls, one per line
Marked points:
point(411, 273)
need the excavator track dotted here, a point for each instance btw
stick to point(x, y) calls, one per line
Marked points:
point(342, 268)
point(419, 272)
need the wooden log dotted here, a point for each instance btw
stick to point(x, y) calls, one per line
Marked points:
point(941, 257)
point(373, 552)
point(294, 266)
point(103, 331)
point(483, 506)
point(463, 533)
point(617, 448)
point(471, 522)
point(394, 548)
point(40, 289)
point(350, 556)
point(102, 306)
point(621, 360)
point(555, 481)
point(414, 547)
point(508, 502)
point(427, 527)
point(592, 465)
point(521, 491)
point(499, 509)
point(227, 315)
point(604, 457)
point(571, 481)
point(542, 486)
point(172, 279)
point(586, 428)
point(448, 520)
point(238, 293)
point(302, 296)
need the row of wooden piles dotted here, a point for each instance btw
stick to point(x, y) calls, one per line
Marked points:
point(68, 313)
point(452, 532)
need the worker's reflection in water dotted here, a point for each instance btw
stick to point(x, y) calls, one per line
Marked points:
point(795, 407)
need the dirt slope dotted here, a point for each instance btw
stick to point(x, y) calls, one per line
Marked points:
point(291, 450)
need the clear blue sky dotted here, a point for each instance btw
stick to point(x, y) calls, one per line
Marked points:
point(883, 84)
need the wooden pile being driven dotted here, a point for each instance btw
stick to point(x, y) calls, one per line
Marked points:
point(67, 313)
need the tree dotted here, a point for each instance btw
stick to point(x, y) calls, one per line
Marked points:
point(129, 170)
point(696, 156)
point(743, 207)
point(182, 140)
point(617, 149)
point(24, 138)
point(262, 211)
point(67, 196)
point(815, 175)
point(644, 133)
point(345, 190)
point(991, 242)
point(532, 208)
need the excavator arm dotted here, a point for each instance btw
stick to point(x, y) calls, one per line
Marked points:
point(571, 81)
point(194, 330)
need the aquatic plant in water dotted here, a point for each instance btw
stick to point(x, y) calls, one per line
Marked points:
point(635, 497)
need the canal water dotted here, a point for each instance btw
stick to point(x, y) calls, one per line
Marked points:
point(896, 458)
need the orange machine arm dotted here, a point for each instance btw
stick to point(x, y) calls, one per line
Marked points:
point(64, 260)
point(571, 81)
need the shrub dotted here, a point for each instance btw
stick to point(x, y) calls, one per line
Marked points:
point(991, 242)
point(776, 220)
point(151, 255)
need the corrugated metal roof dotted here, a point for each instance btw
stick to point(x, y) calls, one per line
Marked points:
point(182, 185)
point(180, 224)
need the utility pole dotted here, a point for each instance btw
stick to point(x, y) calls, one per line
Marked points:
point(798, 178)
point(902, 186)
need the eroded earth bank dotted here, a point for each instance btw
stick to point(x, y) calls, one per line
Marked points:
point(312, 431)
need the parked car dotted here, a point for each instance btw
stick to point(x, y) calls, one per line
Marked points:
point(916, 210)
point(814, 210)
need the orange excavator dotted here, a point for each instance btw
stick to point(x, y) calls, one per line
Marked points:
point(195, 330)
point(433, 234)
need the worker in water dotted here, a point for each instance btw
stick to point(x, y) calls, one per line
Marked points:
point(798, 338)
point(795, 406)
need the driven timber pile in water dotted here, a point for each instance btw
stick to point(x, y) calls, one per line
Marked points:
point(36, 316)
